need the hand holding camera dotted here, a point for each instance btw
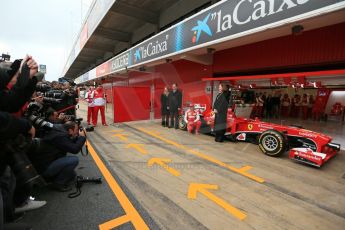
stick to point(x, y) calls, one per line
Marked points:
point(31, 63)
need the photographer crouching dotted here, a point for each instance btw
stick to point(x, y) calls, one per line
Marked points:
point(49, 154)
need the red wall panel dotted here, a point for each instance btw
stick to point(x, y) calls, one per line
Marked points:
point(188, 76)
point(131, 103)
point(325, 45)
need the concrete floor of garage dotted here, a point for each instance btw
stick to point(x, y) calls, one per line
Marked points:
point(291, 195)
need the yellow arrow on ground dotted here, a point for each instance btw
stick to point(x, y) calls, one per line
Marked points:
point(164, 163)
point(121, 136)
point(138, 147)
point(203, 189)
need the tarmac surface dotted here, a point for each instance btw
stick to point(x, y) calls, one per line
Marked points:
point(162, 178)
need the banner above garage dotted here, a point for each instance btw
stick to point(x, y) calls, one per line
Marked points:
point(220, 22)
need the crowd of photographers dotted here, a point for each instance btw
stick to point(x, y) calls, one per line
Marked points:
point(38, 128)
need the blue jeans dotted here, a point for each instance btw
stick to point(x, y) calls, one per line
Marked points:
point(61, 171)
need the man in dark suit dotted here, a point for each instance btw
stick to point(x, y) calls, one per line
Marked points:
point(174, 105)
point(164, 107)
point(220, 109)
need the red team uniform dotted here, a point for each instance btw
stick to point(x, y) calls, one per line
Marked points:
point(192, 118)
point(99, 102)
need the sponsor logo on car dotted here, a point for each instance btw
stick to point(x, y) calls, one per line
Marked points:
point(308, 156)
point(306, 134)
point(250, 126)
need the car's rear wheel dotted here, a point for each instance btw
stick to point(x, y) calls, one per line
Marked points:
point(272, 143)
point(181, 123)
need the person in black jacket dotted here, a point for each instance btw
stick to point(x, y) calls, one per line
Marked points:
point(13, 100)
point(174, 105)
point(50, 158)
point(164, 107)
point(10, 127)
point(220, 108)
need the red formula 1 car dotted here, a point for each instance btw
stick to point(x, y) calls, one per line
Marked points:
point(304, 145)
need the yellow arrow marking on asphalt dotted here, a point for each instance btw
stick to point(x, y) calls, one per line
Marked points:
point(164, 163)
point(132, 214)
point(121, 136)
point(138, 147)
point(203, 189)
point(241, 171)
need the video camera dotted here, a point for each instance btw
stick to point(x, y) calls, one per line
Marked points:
point(78, 121)
point(36, 114)
point(57, 98)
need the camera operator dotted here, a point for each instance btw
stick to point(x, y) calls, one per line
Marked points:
point(60, 98)
point(12, 100)
point(50, 157)
point(10, 128)
point(54, 117)
point(12, 131)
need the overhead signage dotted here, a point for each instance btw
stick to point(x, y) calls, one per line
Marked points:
point(102, 69)
point(157, 46)
point(238, 16)
point(218, 23)
point(120, 62)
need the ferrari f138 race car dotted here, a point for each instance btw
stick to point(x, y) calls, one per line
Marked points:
point(273, 139)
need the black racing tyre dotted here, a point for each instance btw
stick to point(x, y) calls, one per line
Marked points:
point(272, 143)
point(205, 128)
point(181, 123)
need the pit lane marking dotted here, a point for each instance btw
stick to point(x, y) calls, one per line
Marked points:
point(203, 189)
point(132, 214)
point(138, 147)
point(242, 171)
point(121, 136)
point(163, 162)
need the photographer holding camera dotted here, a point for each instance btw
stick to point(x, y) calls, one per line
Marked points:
point(50, 156)
point(15, 135)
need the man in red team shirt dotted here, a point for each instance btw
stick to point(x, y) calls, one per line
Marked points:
point(99, 102)
point(192, 119)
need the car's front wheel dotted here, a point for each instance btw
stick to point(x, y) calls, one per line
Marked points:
point(272, 143)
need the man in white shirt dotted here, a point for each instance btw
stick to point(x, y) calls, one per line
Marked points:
point(89, 97)
point(99, 102)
